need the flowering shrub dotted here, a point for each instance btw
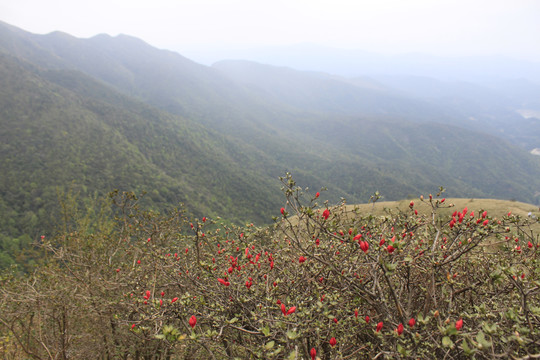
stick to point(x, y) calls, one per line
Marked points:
point(323, 282)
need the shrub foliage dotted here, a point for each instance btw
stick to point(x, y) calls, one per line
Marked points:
point(323, 282)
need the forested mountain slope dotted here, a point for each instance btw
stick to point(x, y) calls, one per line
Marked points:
point(115, 113)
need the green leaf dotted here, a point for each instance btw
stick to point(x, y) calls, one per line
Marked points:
point(447, 342)
point(265, 330)
point(292, 334)
point(483, 343)
point(168, 329)
point(466, 349)
point(510, 314)
point(451, 330)
point(490, 329)
point(402, 350)
point(269, 345)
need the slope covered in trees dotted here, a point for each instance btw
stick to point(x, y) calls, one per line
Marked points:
point(103, 113)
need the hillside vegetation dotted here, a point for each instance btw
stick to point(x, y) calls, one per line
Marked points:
point(94, 115)
point(325, 282)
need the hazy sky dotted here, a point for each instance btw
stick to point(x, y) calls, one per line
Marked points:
point(445, 27)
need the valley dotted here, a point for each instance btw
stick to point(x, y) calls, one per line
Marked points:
point(88, 116)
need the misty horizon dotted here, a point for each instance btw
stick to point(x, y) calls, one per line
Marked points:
point(456, 29)
point(352, 63)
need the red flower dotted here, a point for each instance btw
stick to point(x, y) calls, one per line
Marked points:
point(379, 326)
point(411, 204)
point(400, 329)
point(174, 300)
point(412, 322)
point(192, 321)
point(364, 245)
point(485, 222)
point(367, 319)
point(301, 259)
point(484, 214)
point(459, 324)
point(285, 311)
point(530, 245)
point(356, 313)
point(291, 310)
point(333, 342)
point(204, 219)
point(390, 249)
point(335, 320)
point(282, 211)
point(317, 195)
point(326, 214)
point(224, 282)
point(147, 296)
point(313, 353)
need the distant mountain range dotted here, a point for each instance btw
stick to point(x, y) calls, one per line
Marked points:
point(114, 112)
point(354, 63)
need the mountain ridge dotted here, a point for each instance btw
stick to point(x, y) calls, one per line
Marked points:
point(115, 112)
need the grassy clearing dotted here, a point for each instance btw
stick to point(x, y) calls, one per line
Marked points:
point(495, 208)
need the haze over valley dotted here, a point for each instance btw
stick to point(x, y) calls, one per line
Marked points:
point(94, 114)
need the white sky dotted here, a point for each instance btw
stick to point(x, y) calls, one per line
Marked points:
point(440, 27)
